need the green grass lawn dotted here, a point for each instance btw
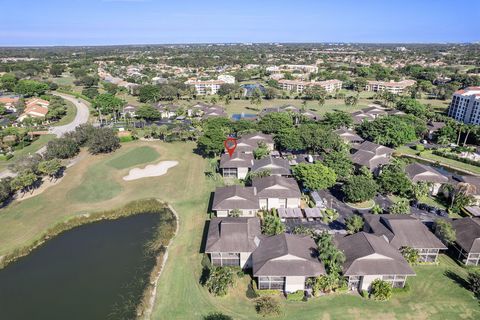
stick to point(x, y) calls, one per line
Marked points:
point(428, 155)
point(71, 113)
point(140, 155)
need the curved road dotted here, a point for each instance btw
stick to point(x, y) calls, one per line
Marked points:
point(80, 118)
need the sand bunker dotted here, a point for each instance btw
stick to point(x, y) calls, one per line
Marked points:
point(152, 170)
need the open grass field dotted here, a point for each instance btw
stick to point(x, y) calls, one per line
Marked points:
point(434, 294)
point(136, 156)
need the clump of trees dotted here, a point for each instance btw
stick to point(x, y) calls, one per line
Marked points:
point(219, 280)
point(315, 176)
point(402, 206)
point(354, 224)
point(360, 188)
point(98, 140)
point(271, 224)
point(445, 231)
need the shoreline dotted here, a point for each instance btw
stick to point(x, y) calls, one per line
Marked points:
point(130, 209)
point(147, 303)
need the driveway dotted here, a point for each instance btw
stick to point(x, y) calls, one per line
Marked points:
point(80, 118)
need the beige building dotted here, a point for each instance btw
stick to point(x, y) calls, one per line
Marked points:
point(389, 86)
point(299, 86)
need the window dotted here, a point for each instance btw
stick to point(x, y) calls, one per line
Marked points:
point(271, 283)
point(396, 281)
point(353, 282)
point(230, 172)
point(473, 259)
point(225, 259)
point(427, 255)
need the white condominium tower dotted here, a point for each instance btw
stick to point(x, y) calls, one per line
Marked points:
point(465, 105)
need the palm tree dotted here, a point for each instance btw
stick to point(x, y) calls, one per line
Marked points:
point(460, 128)
point(469, 128)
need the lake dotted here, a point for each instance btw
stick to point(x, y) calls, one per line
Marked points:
point(96, 271)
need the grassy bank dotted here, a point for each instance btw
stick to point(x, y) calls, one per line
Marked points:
point(428, 155)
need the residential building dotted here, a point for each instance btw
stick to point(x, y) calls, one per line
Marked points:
point(369, 257)
point(9, 103)
point(418, 172)
point(389, 86)
point(467, 241)
point(299, 86)
point(433, 127)
point(465, 106)
point(236, 166)
point(233, 200)
point(206, 87)
point(34, 108)
point(276, 166)
point(168, 110)
point(214, 111)
point(129, 110)
point(371, 155)
point(472, 186)
point(285, 262)
point(370, 113)
point(249, 142)
point(226, 78)
point(405, 231)
point(349, 136)
point(231, 241)
point(277, 192)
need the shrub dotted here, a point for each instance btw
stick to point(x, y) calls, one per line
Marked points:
point(410, 254)
point(219, 280)
point(103, 141)
point(267, 306)
point(473, 281)
point(400, 207)
point(126, 139)
point(296, 296)
point(381, 290)
point(354, 224)
point(263, 293)
point(364, 294)
point(420, 147)
point(445, 231)
point(217, 316)
point(271, 224)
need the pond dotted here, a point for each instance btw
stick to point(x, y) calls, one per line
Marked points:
point(95, 271)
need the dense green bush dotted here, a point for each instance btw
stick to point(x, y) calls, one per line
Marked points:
point(267, 306)
point(219, 280)
point(381, 290)
point(296, 296)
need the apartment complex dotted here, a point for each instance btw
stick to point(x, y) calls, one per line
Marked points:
point(389, 86)
point(207, 87)
point(299, 86)
point(465, 105)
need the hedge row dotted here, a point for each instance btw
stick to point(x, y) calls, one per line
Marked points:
point(453, 156)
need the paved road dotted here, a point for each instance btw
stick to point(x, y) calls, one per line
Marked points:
point(81, 117)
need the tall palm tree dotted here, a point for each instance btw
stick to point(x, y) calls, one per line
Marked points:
point(460, 130)
point(469, 128)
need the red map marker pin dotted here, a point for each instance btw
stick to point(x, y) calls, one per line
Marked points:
point(230, 144)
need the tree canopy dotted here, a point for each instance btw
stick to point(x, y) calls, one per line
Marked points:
point(315, 176)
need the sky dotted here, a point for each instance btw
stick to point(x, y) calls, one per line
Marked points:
point(109, 22)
